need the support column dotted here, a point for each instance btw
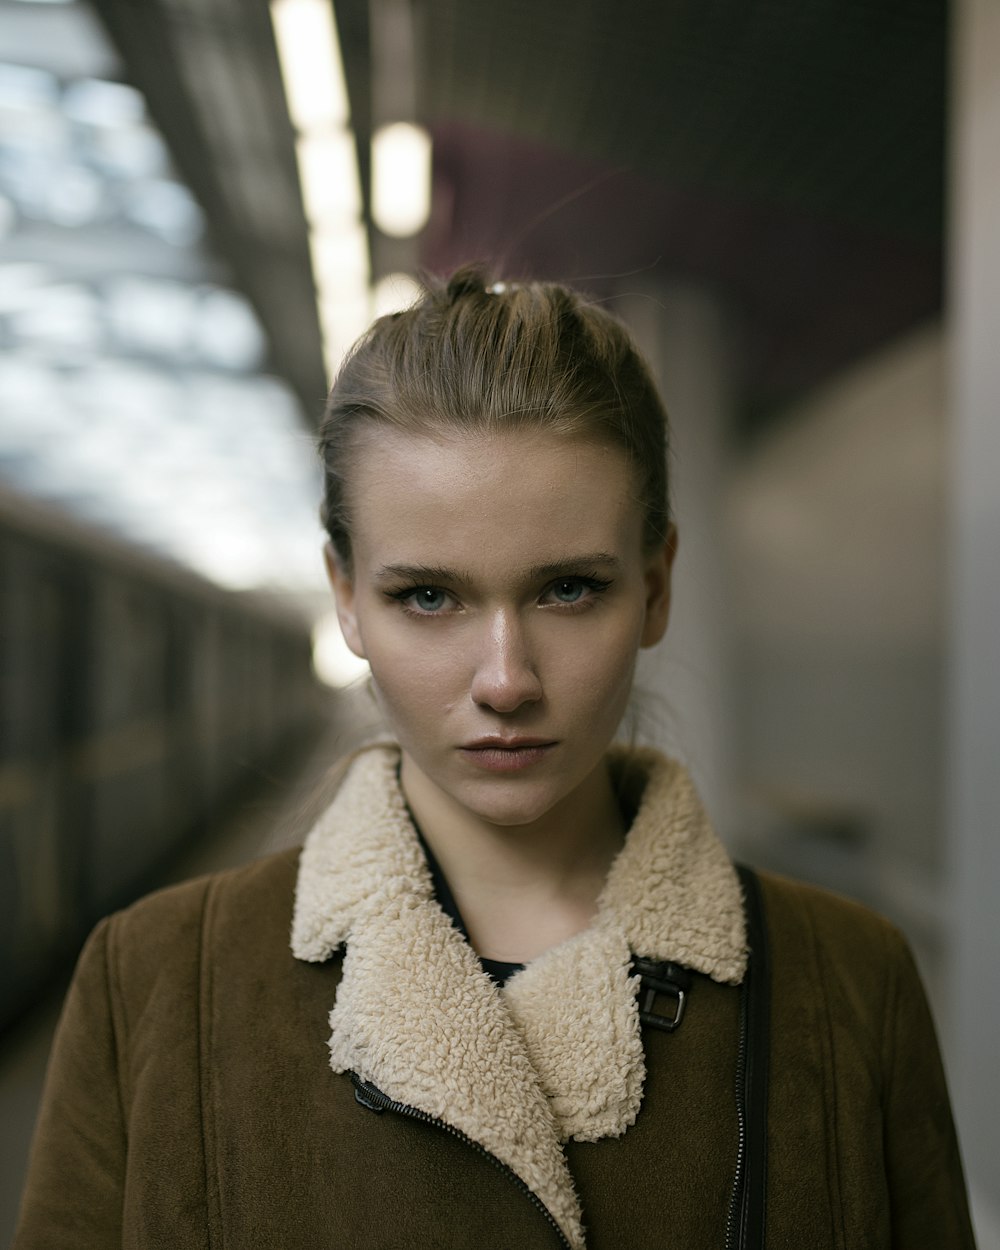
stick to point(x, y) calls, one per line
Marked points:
point(973, 1027)
point(682, 333)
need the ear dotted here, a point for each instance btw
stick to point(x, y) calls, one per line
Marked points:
point(659, 568)
point(343, 594)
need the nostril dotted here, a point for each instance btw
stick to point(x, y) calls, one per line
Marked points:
point(506, 676)
point(506, 691)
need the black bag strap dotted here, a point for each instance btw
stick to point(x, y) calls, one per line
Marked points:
point(755, 1012)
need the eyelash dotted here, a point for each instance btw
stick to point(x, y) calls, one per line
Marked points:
point(407, 592)
point(595, 585)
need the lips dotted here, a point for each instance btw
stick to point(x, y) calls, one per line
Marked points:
point(506, 755)
point(497, 742)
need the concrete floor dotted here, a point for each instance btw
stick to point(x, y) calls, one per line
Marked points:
point(276, 813)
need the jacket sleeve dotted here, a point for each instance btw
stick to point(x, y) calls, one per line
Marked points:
point(927, 1190)
point(73, 1195)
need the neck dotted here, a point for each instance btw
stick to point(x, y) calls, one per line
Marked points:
point(522, 888)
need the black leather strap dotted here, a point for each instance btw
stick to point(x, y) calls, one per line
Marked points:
point(758, 1006)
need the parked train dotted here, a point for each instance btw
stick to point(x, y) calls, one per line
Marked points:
point(136, 699)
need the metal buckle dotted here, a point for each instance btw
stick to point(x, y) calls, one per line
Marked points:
point(661, 977)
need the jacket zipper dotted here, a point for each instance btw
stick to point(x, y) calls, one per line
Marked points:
point(371, 1096)
point(736, 1218)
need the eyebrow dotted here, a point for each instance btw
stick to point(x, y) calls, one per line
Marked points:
point(432, 573)
point(573, 563)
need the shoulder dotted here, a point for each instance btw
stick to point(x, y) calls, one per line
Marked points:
point(828, 918)
point(177, 928)
point(830, 949)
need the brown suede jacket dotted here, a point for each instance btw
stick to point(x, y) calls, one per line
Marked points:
point(202, 1093)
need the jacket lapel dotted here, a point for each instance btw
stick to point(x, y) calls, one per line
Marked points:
point(558, 1053)
point(672, 893)
point(415, 1014)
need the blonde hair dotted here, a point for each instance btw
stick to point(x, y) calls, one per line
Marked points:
point(483, 359)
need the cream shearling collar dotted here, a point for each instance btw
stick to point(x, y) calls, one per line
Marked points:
point(556, 1054)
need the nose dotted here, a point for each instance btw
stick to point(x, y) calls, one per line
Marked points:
point(506, 677)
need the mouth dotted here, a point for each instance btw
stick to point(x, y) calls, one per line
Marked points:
point(504, 755)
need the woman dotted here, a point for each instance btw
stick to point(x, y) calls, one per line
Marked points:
point(546, 1029)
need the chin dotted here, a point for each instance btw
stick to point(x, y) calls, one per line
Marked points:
point(507, 807)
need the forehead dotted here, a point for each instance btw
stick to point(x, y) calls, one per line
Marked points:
point(518, 496)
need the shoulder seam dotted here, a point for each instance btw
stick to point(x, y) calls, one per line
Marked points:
point(835, 1191)
point(119, 1017)
point(213, 1197)
point(890, 1014)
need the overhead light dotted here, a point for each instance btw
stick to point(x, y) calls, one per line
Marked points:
point(340, 257)
point(306, 37)
point(401, 178)
point(311, 65)
point(328, 173)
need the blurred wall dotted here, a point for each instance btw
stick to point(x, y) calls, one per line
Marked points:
point(685, 683)
point(838, 530)
point(832, 664)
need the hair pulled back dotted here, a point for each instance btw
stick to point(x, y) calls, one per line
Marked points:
point(475, 359)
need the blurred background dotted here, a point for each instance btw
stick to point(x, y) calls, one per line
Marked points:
point(795, 207)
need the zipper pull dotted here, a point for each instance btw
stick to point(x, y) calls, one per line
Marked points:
point(368, 1096)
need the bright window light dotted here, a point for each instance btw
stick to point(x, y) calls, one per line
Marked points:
point(20, 284)
point(311, 66)
point(401, 179)
point(129, 391)
point(25, 88)
point(62, 315)
point(228, 333)
point(165, 207)
point(153, 316)
point(328, 173)
point(98, 103)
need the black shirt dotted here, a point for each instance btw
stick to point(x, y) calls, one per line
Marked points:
point(496, 969)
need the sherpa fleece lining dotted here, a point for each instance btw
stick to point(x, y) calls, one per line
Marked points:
point(557, 1053)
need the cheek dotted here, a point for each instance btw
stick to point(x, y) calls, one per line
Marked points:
point(413, 678)
point(611, 684)
point(595, 671)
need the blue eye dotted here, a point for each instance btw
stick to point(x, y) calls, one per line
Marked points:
point(575, 592)
point(428, 599)
point(423, 600)
point(568, 591)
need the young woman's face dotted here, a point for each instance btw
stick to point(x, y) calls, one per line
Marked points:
point(500, 594)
